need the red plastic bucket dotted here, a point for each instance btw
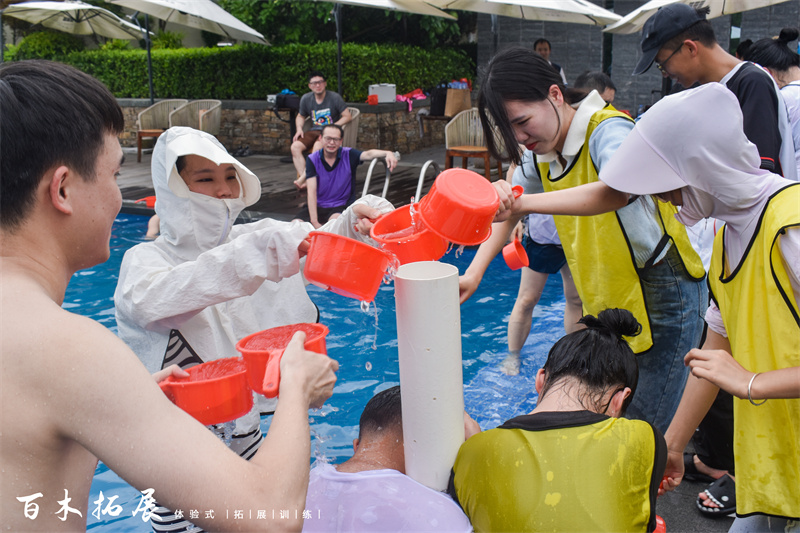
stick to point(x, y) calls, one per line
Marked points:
point(215, 392)
point(345, 266)
point(515, 255)
point(262, 352)
point(408, 242)
point(460, 207)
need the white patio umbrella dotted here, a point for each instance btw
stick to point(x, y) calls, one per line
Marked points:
point(574, 11)
point(417, 7)
point(201, 14)
point(633, 21)
point(74, 17)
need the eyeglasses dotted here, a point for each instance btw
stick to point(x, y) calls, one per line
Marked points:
point(320, 82)
point(332, 139)
point(663, 65)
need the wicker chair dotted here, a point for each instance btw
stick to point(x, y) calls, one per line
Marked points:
point(350, 129)
point(463, 137)
point(153, 121)
point(202, 115)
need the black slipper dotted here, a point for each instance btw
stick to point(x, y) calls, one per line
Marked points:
point(723, 493)
point(690, 471)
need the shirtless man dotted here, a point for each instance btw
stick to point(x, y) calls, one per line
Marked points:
point(71, 391)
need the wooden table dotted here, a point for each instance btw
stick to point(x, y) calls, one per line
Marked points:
point(141, 134)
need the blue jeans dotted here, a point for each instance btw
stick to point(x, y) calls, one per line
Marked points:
point(676, 304)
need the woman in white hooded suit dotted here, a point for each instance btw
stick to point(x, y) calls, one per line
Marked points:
point(190, 295)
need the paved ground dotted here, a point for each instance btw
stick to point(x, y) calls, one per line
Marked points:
point(281, 200)
point(279, 197)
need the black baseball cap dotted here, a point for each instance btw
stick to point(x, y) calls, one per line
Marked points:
point(666, 23)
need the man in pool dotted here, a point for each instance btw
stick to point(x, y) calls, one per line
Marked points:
point(370, 491)
point(72, 392)
point(331, 176)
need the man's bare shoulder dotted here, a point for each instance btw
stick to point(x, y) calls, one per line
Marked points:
point(34, 322)
point(54, 367)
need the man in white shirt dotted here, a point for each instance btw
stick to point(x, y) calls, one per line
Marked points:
point(370, 491)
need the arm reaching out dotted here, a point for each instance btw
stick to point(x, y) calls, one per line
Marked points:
point(585, 200)
point(469, 281)
point(390, 157)
point(721, 369)
point(697, 398)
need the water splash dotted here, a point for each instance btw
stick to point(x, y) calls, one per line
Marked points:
point(317, 442)
point(459, 251)
point(224, 431)
point(375, 337)
point(391, 270)
point(368, 366)
point(365, 307)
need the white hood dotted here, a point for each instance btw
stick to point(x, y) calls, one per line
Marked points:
point(193, 223)
point(694, 141)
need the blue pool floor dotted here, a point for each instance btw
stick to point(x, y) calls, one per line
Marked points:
point(366, 348)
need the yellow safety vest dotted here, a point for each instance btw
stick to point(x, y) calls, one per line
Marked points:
point(598, 251)
point(588, 477)
point(762, 320)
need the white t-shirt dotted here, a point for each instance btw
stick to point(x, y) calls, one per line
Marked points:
point(791, 95)
point(377, 500)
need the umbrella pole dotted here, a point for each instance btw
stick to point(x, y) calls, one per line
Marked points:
point(338, 20)
point(149, 59)
point(495, 34)
point(2, 42)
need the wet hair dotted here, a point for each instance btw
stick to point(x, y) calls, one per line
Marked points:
point(336, 127)
point(383, 412)
point(537, 42)
point(743, 48)
point(180, 163)
point(774, 53)
point(594, 80)
point(597, 357)
point(51, 114)
point(316, 74)
point(515, 74)
point(701, 31)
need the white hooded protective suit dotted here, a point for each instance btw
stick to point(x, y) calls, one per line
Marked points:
point(204, 284)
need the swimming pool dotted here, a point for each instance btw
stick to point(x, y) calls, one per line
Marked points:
point(367, 353)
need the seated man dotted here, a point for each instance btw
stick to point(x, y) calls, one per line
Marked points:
point(324, 107)
point(370, 492)
point(571, 464)
point(72, 392)
point(331, 176)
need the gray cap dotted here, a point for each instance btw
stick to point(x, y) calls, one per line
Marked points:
point(666, 23)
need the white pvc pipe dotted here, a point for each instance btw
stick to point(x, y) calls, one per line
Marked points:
point(429, 346)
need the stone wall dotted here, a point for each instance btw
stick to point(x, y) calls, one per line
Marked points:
point(254, 124)
point(579, 47)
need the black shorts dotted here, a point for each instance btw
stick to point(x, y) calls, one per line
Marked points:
point(323, 213)
point(544, 258)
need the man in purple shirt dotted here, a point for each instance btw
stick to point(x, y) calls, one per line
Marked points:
point(331, 176)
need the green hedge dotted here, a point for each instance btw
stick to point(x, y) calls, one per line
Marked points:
point(250, 72)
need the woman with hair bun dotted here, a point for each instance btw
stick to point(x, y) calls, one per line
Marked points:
point(633, 255)
point(783, 64)
point(571, 464)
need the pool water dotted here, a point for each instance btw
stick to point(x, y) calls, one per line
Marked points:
point(366, 349)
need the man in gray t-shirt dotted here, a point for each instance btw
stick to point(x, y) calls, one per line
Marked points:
point(323, 107)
